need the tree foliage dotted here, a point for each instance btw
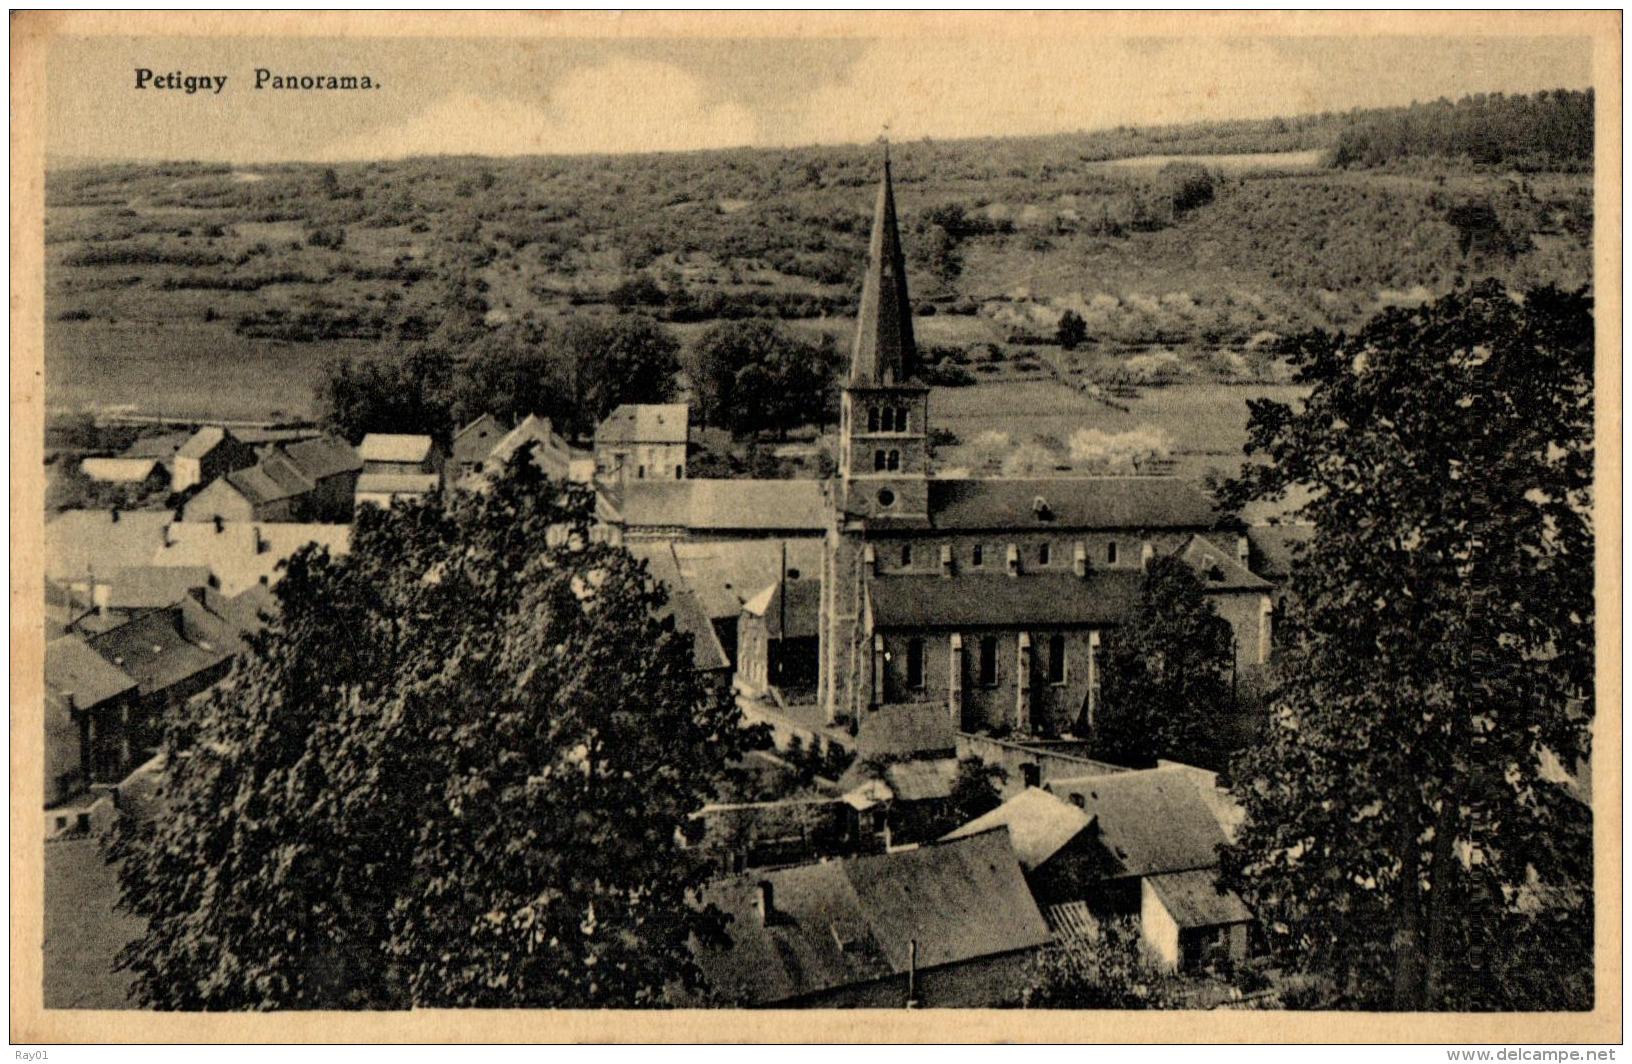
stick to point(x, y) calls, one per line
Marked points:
point(755, 376)
point(1112, 972)
point(1165, 673)
point(1549, 130)
point(450, 774)
point(976, 790)
point(1072, 330)
point(1405, 838)
point(626, 359)
point(388, 393)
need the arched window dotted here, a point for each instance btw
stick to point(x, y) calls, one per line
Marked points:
point(901, 420)
point(986, 663)
point(872, 419)
point(889, 419)
point(879, 459)
point(895, 460)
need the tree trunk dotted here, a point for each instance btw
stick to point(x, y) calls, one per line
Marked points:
point(1407, 933)
point(1442, 874)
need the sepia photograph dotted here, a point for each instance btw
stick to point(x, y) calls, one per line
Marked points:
point(1034, 518)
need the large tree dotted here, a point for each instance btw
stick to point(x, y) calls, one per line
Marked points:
point(388, 393)
point(625, 359)
point(1405, 837)
point(1165, 673)
point(755, 376)
point(450, 774)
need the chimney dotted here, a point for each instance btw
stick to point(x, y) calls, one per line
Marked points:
point(1146, 552)
point(1079, 561)
point(220, 525)
point(1012, 560)
point(765, 903)
point(946, 559)
point(114, 516)
point(167, 539)
point(260, 541)
point(870, 557)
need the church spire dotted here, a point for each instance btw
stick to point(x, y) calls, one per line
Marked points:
point(884, 352)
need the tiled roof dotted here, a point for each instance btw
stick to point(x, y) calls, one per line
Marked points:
point(397, 483)
point(152, 586)
point(904, 730)
point(1151, 820)
point(119, 470)
point(802, 610)
point(268, 482)
point(844, 923)
point(73, 668)
point(162, 447)
point(1218, 569)
point(394, 447)
point(242, 553)
point(1001, 503)
point(1040, 825)
point(155, 651)
point(551, 453)
point(82, 542)
point(706, 652)
point(726, 573)
point(475, 441)
point(725, 505)
point(202, 442)
point(1194, 900)
point(1104, 596)
point(645, 423)
point(922, 781)
point(323, 457)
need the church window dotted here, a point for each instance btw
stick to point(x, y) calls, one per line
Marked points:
point(1043, 554)
point(1110, 553)
point(872, 419)
point(977, 556)
point(1056, 658)
point(895, 460)
point(879, 459)
point(987, 665)
point(901, 420)
point(886, 497)
point(915, 663)
point(906, 554)
point(889, 419)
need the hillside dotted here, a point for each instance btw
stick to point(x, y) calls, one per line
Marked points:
point(192, 288)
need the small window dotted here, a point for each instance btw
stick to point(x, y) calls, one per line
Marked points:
point(872, 419)
point(640, 473)
point(886, 498)
point(879, 459)
point(901, 420)
point(679, 472)
point(977, 556)
point(895, 460)
point(1056, 658)
point(1044, 554)
point(1110, 553)
point(988, 661)
point(906, 554)
point(915, 663)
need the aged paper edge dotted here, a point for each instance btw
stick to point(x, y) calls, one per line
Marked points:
point(31, 34)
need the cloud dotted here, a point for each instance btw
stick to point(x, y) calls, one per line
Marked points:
point(622, 105)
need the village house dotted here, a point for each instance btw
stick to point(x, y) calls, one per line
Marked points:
point(945, 925)
point(643, 441)
point(552, 454)
point(777, 639)
point(209, 453)
point(701, 510)
point(304, 481)
point(473, 443)
point(89, 704)
point(243, 555)
point(84, 545)
point(395, 453)
point(330, 465)
point(145, 473)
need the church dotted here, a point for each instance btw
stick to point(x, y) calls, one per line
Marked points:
point(984, 597)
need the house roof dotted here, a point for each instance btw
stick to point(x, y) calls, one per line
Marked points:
point(120, 470)
point(1104, 503)
point(73, 668)
point(1218, 569)
point(162, 447)
point(645, 423)
point(151, 586)
point(1040, 825)
point(397, 483)
point(725, 505)
point(155, 651)
point(551, 453)
point(394, 447)
point(904, 730)
point(844, 923)
point(268, 482)
point(83, 542)
point(475, 441)
point(922, 781)
point(706, 652)
point(243, 553)
point(203, 442)
point(1193, 899)
point(323, 457)
point(801, 612)
point(1151, 820)
point(251, 609)
point(1104, 596)
point(726, 573)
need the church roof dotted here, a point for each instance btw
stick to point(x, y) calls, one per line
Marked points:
point(884, 351)
point(1078, 502)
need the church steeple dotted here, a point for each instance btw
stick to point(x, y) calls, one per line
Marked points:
point(884, 352)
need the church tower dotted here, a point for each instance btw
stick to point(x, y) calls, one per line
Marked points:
point(883, 479)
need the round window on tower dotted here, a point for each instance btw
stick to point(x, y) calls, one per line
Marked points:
point(886, 497)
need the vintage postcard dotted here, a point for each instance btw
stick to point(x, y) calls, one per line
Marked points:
point(860, 527)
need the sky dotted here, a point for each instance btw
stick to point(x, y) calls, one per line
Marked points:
point(522, 97)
